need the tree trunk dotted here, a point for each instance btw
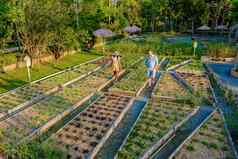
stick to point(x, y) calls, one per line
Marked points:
point(216, 23)
point(171, 24)
point(152, 24)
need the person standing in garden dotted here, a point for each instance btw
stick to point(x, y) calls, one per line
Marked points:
point(116, 64)
point(152, 63)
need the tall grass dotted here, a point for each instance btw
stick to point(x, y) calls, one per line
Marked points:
point(221, 50)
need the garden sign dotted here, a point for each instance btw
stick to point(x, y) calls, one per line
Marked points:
point(27, 59)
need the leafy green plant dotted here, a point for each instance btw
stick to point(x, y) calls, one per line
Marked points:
point(190, 148)
point(36, 150)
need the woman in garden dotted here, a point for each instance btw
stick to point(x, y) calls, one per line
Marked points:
point(116, 64)
point(152, 63)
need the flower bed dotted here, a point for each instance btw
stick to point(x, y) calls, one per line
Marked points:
point(169, 87)
point(82, 136)
point(27, 121)
point(209, 142)
point(157, 119)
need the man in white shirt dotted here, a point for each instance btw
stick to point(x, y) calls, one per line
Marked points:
point(152, 63)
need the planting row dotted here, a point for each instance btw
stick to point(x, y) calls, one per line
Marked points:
point(133, 81)
point(195, 67)
point(82, 136)
point(198, 81)
point(176, 60)
point(209, 142)
point(35, 90)
point(29, 120)
point(158, 118)
point(169, 87)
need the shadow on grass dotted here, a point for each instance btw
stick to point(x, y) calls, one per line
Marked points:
point(10, 84)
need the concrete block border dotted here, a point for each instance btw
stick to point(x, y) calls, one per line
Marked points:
point(113, 127)
point(192, 134)
point(133, 126)
point(173, 68)
point(149, 152)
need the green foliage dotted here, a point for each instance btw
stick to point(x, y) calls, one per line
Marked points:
point(221, 50)
point(66, 24)
point(190, 148)
point(18, 77)
point(35, 150)
point(234, 10)
point(5, 29)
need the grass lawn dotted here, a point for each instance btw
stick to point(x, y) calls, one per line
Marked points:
point(9, 58)
point(18, 77)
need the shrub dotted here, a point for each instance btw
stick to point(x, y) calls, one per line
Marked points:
point(221, 50)
point(205, 143)
point(190, 148)
point(213, 145)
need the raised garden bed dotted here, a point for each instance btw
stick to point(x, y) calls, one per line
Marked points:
point(209, 142)
point(169, 88)
point(132, 82)
point(84, 135)
point(40, 116)
point(195, 67)
point(21, 96)
point(176, 60)
point(199, 83)
point(156, 121)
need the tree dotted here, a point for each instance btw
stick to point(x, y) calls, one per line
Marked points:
point(45, 23)
point(152, 13)
point(192, 10)
point(234, 9)
point(219, 11)
point(5, 29)
point(131, 10)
